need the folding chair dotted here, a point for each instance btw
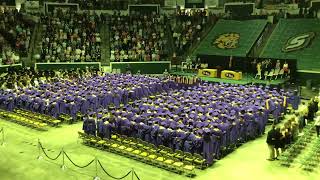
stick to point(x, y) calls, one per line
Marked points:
point(281, 72)
point(266, 75)
point(270, 74)
point(179, 154)
point(177, 165)
point(189, 169)
point(188, 157)
point(258, 74)
point(199, 161)
point(276, 73)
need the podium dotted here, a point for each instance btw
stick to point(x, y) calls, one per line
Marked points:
point(207, 73)
point(227, 74)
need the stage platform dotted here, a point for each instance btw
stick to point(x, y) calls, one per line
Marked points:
point(246, 79)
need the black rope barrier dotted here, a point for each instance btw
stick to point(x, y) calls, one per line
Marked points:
point(43, 150)
point(110, 174)
point(62, 152)
point(134, 172)
point(76, 164)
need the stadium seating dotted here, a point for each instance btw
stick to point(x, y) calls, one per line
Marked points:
point(137, 37)
point(112, 4)
point(16, 30)
point(188, 28)
point(70, 37)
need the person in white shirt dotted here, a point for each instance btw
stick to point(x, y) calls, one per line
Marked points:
point(36, 82)
point(317, 123)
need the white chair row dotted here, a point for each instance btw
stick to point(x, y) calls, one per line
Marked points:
point(273, 73)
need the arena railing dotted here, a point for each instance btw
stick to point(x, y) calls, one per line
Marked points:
point(152, 67)
point(67, 65)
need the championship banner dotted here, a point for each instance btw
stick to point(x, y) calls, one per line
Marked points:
point(207, 73)
point(226, 74)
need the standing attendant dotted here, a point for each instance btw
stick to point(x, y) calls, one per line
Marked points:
point(317, 123)
point(271, 141)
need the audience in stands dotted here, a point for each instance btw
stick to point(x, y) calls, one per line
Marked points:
point(188, 27)
point(70, 36)
point(16, 30)
point(7, 57)
point(138, 37)
point(22, 78)
point(112, 4)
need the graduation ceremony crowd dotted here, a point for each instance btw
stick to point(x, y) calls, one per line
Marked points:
point(184, 114)
point(15, 36)
point(71, 95)
point(204, 118)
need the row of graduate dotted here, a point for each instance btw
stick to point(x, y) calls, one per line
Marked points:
point(203, 119)
point(72, 96)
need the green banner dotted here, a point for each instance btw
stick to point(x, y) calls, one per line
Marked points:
point(231, 38)
point(296, 39)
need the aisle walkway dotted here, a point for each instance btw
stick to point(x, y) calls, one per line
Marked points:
point(18, 159)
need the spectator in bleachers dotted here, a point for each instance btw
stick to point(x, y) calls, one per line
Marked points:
point(21, 78)
point(7, 57)
point(112, 4)
point(16, 30)
point(138, 37)
point(70, 37)
point(188, 26)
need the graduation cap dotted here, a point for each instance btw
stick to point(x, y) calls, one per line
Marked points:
point(181, 125)
point(206, 130)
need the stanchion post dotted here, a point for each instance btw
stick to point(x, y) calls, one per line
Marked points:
point(2, 131)
point(96, 164)
point(63, 167)
point(39, 150)
point(132, 173)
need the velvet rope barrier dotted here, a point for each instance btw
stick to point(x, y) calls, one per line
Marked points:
point(43, 150)
point(134, 172)
point(76, 164)
point(110, 174)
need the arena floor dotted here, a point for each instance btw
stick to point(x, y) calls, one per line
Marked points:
point(19, 159)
